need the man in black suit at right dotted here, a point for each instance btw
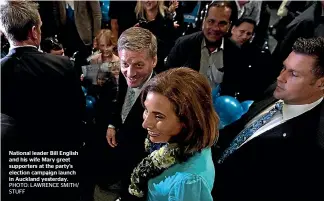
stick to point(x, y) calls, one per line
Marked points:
point(41, 92)
point(276, 151)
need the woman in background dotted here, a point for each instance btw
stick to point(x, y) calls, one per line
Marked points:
point(156, 17)
point(178, 114)
point(242, 31)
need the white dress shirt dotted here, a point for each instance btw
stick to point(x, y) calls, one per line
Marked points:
point(210, 63)
point(288, 112)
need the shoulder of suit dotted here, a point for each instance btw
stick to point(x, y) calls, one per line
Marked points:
point(307, 16)
point(197, 36)
point(59, 60)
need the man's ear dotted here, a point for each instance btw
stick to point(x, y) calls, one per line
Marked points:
point(321, 83)
point(154, 61)
point(33, 33)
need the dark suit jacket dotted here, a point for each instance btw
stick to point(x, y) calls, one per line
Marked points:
point(284, 163)
point(87, 16)
point(130, 135)
point(43, 94)
point(242, 77)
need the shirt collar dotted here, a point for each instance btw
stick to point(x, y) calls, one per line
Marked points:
point(203, 45)
point(139, 89)
point(14, 47)
point(291, 111)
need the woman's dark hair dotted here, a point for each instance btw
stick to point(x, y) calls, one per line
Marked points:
point(244, 19)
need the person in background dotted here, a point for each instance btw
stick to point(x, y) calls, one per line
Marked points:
point(80, 22)
point(242, 35)
point(42, 93)
point(278, 147)
point(115, 70)
point(122, 16)
point(156, 17)
point(308, 24)
point(49, 13)
point(178, 113)
point(105, 44)
point(242, 31)
point(51, 45)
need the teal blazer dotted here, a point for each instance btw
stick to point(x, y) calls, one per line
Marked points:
point(192, 180)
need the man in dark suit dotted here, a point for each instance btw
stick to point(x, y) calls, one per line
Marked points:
point(41, 92)
point(276, 151)
point(137, 48)
point(214, 55)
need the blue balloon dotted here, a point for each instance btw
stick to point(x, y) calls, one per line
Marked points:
point(228, 109)
point(85, 91)
point(90, 102)
point(246, 105)
point(216, 92)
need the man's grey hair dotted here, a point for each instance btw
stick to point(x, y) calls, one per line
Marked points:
point(138, 39)
point(17, 18)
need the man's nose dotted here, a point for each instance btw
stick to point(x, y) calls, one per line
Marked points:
point(282, 76)
point(131, 72)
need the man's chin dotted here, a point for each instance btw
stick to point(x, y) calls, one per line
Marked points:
point(277, 94)
point(214, 39)
point(133, 85)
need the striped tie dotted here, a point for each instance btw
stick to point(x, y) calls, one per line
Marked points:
point(129, 101)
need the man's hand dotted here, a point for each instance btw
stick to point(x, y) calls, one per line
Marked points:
point(111, 137)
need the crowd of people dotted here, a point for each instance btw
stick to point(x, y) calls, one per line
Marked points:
point(135, 97)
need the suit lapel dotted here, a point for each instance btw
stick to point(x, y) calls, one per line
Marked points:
point(307, 14)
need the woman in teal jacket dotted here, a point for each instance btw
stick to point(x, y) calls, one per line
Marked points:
point(182, 127)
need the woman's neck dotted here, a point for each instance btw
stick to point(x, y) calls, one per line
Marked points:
point(151, 14)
